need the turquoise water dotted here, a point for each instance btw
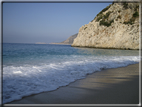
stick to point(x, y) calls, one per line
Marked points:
point(16, 54)
point(34, 68)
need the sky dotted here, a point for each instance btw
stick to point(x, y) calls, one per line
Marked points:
point(46, 22)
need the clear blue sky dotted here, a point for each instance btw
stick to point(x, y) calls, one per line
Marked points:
point(46, 22)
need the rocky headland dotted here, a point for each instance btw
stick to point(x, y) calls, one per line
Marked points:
point(116, 27)
point(68, 41)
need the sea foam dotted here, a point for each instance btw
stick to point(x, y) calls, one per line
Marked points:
point(19, 81)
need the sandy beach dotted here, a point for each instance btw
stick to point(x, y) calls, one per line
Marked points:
point(111, 86)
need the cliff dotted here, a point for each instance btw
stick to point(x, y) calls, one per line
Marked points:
point(116, 26)
point(70, 39)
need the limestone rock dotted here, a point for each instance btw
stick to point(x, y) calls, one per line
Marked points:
point(116, 26)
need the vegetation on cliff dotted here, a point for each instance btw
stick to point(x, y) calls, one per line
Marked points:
point(100, 13)
point(103, 18)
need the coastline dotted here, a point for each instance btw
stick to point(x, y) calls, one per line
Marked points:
point(104, 47)
point(111, 86)
point(59, 44)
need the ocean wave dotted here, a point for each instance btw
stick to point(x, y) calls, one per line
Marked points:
point(19, 81)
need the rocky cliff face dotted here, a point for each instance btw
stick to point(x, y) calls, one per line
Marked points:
point(116, 26)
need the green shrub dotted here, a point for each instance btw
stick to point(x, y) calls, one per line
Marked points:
point(132, 20)
point(107, 15)
point(102, 22)
point(111, 21)
point(85, 28)
point(136, 8)
point(113, 2)
point(125, 5)
point(129, 22)
point(136, 14)
point(100, 17)
point(105, 9)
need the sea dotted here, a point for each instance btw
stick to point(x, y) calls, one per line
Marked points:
point(34, 68)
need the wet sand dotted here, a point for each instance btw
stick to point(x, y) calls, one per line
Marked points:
point(111, 86)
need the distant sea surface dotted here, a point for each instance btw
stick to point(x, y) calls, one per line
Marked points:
point(35, 68)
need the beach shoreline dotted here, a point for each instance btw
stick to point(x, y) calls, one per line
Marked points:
point(111, 86)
